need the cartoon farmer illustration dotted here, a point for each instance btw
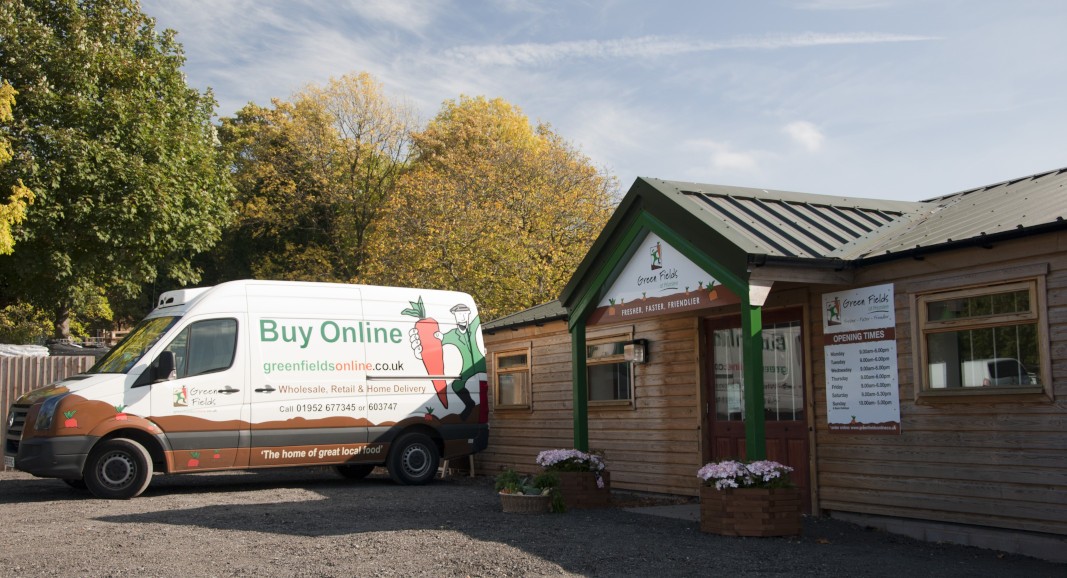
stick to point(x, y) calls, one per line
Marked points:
point(181, 397)
point(833, 311)
point(428, 343)
point(657, 257)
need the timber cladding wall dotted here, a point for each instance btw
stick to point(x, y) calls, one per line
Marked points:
point(651, 445)
point(20, 375)
point(998, 461)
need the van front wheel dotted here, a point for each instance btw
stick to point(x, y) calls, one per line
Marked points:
point(413, 459)
point(118, 469)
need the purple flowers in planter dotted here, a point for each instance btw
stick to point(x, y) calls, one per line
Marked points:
point(733, 474)
point(572, 461)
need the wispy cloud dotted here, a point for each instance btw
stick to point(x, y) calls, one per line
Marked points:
point(843, 4)
point(722, 157)
point(534, 54)
point(411, 15)
point(805, 134)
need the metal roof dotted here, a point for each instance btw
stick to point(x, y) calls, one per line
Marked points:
point(551, 311)
point(741, 226)
point(786, 224)
point(805, 227)
point(1013, 208)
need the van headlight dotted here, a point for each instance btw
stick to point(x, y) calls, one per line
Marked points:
point(48, 409)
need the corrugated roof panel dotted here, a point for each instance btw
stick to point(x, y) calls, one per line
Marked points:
point(814, 234)
point(825, 232)
point(728, 221)
point(775, 224)
point(995, 209)
point(780, 234)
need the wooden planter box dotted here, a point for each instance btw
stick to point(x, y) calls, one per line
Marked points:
point(750, 511)
point(580, 490)
point(525, 504)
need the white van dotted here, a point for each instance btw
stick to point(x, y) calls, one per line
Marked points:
point(999, 371)
point(255, 374)
point(993, 372)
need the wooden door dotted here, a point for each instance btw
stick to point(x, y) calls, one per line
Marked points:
point(783, 391)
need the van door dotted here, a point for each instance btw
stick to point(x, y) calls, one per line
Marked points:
point(202, 411)
point(309, 366)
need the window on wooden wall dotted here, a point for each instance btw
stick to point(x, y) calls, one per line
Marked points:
point(610, 376)
point(512, 379)
point(984, 340)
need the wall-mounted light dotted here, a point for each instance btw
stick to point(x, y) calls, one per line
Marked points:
point(636, 351)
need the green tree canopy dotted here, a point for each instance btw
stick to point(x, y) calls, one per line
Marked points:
point(492, 206)
point(119, 152)
point(311, 174)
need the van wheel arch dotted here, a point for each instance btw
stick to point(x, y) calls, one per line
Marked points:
point(433, 434)
point(148, 441)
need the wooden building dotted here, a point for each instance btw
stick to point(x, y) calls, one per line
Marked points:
point(908, 359)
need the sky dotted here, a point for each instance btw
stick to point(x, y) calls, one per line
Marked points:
point(889, 99)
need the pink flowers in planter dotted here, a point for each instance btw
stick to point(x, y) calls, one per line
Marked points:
point(733, 474)
point(572, 461)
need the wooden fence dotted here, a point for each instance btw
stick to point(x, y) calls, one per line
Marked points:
point(19, 375)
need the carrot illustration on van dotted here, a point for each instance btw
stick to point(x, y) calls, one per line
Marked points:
point(428, 343)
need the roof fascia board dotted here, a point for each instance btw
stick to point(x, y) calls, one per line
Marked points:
point(800, 274)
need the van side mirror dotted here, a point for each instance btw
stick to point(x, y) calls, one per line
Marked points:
point(164, 367)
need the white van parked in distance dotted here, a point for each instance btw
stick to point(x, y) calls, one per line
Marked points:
point(256, 374)
point(993, 372)
point(1000, 371)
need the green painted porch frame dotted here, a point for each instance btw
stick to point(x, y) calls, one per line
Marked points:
point(751, 328)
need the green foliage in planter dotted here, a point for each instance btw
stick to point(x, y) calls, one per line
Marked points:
point(509, 482)
point(549, 481)
point(545, 483)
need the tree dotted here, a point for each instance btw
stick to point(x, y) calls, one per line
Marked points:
point(311, 174)
point(120, 154)
point(12, 212)
point(492, 206)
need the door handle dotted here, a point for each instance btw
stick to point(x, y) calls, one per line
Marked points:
point(267, 389)
point(228, 390)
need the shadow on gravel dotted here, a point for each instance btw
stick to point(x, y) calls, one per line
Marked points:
point(608, 541)
point(35, 490)
point(50, 489)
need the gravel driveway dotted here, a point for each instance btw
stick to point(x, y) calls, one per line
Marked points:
point(314, 523)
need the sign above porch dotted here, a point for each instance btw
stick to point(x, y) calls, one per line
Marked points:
point(659, 280)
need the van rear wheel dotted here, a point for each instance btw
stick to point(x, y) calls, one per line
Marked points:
point(118, 469)
point(413, 459)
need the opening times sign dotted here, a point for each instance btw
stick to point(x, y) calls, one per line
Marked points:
point(860, 347)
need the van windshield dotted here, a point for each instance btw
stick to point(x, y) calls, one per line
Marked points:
point(124, 355)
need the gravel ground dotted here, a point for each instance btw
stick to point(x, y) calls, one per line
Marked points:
point(314, 523)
